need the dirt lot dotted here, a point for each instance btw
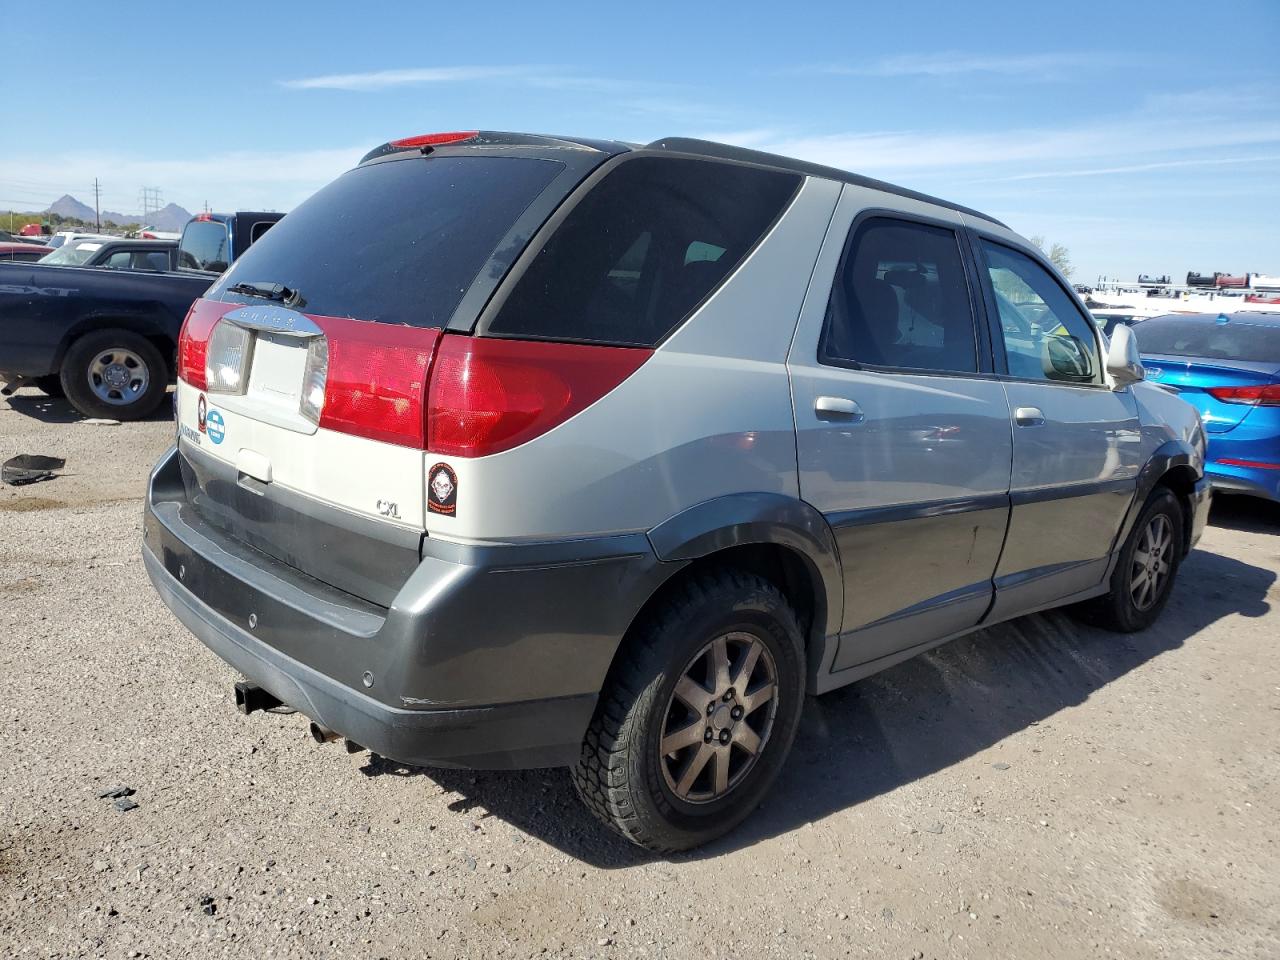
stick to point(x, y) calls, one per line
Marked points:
point(1037, 790)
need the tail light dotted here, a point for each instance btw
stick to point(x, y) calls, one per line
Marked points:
point(490, 395)
point(1259, 395)
point(373, 377)
point(193, 341)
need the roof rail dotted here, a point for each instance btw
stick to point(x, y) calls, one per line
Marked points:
point(723, 151)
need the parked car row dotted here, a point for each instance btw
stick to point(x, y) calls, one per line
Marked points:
point(100, 321)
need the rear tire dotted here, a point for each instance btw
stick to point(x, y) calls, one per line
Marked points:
point(114, 374)
point(1144, 574)
point(50, 386)
point(730, 643)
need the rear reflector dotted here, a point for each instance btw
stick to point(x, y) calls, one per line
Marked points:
point(435, 139)
point(1263, 395)
point(1253, 464)
point(490, 395)
point(376, 381)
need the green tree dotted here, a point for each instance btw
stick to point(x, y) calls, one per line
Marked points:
point(1058, 255)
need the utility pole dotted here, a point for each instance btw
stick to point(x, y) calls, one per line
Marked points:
point(97, 213)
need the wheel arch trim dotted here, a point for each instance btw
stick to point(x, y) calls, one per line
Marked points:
point(1172, 455)
point(772, 519)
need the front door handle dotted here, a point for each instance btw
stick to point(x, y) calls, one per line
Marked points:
point(1028, 417)
point(837, 408)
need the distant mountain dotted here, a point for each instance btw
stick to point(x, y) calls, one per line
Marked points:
point(68, 206)
point(170, 218)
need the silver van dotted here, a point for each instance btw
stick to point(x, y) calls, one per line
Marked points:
point(581, 453)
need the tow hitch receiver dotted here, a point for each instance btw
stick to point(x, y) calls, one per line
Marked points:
point(250, 698)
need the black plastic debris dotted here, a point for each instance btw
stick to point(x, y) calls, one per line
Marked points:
point(124, 805)
point(208, 906)
point(29, 468)
point(115, 793)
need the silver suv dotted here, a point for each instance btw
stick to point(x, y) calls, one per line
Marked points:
point(509, 451)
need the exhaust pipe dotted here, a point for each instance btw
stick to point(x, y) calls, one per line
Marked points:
point(250, 698)
point(321, 733)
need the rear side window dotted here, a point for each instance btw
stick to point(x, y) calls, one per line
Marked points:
point(901, 300)
point(638, 253)
point(397, 242)
point(206, 245)
point(1207, 338)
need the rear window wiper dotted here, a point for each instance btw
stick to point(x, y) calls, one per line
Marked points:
point(268, 291)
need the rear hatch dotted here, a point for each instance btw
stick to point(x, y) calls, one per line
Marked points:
point(1221, 366)
point(303, 372)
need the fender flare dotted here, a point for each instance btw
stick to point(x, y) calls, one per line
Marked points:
point(1170, 455)
point(742, 519)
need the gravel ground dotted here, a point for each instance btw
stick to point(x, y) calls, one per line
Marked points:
point(1036, 790)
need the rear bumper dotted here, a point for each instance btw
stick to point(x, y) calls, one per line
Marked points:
point(1253, 481)
point(488, 657)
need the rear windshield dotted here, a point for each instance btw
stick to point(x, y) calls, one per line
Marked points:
point(638, 253)
point(399, 242)
point(206, 246)
point(1204, 337)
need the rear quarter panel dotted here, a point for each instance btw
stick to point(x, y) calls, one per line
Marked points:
point(709, 414)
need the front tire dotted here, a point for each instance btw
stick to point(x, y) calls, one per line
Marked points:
point(115, 374)
point(1144, 573)
point(698, 714)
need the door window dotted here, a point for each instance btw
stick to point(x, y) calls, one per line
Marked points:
point(901, 300)
point(1045, 335)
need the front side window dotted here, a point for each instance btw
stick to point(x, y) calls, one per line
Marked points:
point(638, 253)
point(901, 300)
point(1045, 335)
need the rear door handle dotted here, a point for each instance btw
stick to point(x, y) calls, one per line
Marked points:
point(837, 408)
point(1028, 417)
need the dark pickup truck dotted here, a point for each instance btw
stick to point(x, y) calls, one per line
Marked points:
point(107, 338)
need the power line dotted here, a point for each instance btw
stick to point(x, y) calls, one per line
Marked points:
point(151, 201)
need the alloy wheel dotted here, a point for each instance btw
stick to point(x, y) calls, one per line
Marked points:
point(1152, 561)
point(719, 718)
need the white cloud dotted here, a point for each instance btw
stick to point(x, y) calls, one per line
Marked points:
point(1042, 66)
point(1010, 151)
point(548, 78)
point(1136, 168)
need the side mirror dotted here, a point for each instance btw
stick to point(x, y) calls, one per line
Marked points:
point(1064, 358)
point(1123, 363)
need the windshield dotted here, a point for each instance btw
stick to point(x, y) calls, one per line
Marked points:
point(1207, 338)
point(75, 252)
point(399, 241)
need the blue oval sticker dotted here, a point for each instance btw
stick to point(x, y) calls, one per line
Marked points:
point(215, 426)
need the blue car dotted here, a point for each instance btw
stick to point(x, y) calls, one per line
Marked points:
point(1228, 367)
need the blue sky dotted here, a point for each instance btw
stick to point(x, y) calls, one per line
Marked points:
point(1146, 137)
